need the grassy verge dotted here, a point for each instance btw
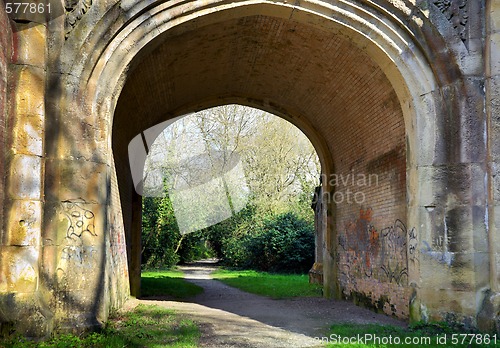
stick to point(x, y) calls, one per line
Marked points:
point(145, 326)
point(269, 284)
point(167, 283)
point(437, 335)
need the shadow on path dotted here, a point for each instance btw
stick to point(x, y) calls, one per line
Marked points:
point(311, 316)
point(229, 317)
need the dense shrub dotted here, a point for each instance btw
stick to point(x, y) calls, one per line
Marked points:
point(251, 239)
point(233, 228)
point(160, 233)
point(283, 243)
point(235, 253)
point(194, 246)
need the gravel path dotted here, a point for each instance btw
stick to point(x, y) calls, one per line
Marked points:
point(229, 317)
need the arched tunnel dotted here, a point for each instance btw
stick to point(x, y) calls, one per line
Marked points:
point(319, 80)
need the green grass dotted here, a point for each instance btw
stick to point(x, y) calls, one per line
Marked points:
point(448, 336)
point(145, 326)
point(269, 284)
point(167, 283)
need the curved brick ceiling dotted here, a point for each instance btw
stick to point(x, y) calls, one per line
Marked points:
point(303, 71)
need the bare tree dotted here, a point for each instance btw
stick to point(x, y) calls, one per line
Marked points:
point(279, 161)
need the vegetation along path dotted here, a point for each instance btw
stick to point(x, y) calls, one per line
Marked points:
point(229, 317)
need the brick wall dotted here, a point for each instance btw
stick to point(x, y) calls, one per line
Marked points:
point(370, 192)
point(5, 52)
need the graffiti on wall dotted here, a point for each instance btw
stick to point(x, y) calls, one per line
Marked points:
point(117, 245)
point(412, 244)
point(393, 257)
point(360, 242)
point(381, 254)
point(80, 219)
point(74, 253)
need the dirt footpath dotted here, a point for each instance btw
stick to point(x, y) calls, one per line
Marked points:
point(229, 317)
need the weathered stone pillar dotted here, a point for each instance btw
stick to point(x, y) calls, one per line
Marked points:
point(134, 245)
point(23, 210)
point(489, 315)
point(453, 214)
point(76, 236)
point(316, 272)
point(84, 256)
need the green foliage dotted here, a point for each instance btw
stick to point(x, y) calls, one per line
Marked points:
point(281, 170)
point(167, 283)
point(145, 326)
point(195, 246)
point(219, 235)
point(268, 284)
point(283, 243)
point(252, 238)
point(160, 233)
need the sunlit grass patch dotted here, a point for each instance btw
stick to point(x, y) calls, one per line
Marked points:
point(169, 283)
point(269, 284)
point(145, 326)
point(153, 326)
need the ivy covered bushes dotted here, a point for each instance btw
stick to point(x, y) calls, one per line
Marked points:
point(248, 240)
point(282, 243)
point(278, 170)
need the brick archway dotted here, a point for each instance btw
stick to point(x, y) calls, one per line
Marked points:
point(335, 84)
point(158, 66)
point(367, 81)
point(320, 81)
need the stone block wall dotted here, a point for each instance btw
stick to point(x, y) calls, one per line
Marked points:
point(493, 102)
point(489, 316)
point(5, 55)
point(23, 116)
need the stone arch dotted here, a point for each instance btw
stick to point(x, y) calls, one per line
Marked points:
point(97, 63)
